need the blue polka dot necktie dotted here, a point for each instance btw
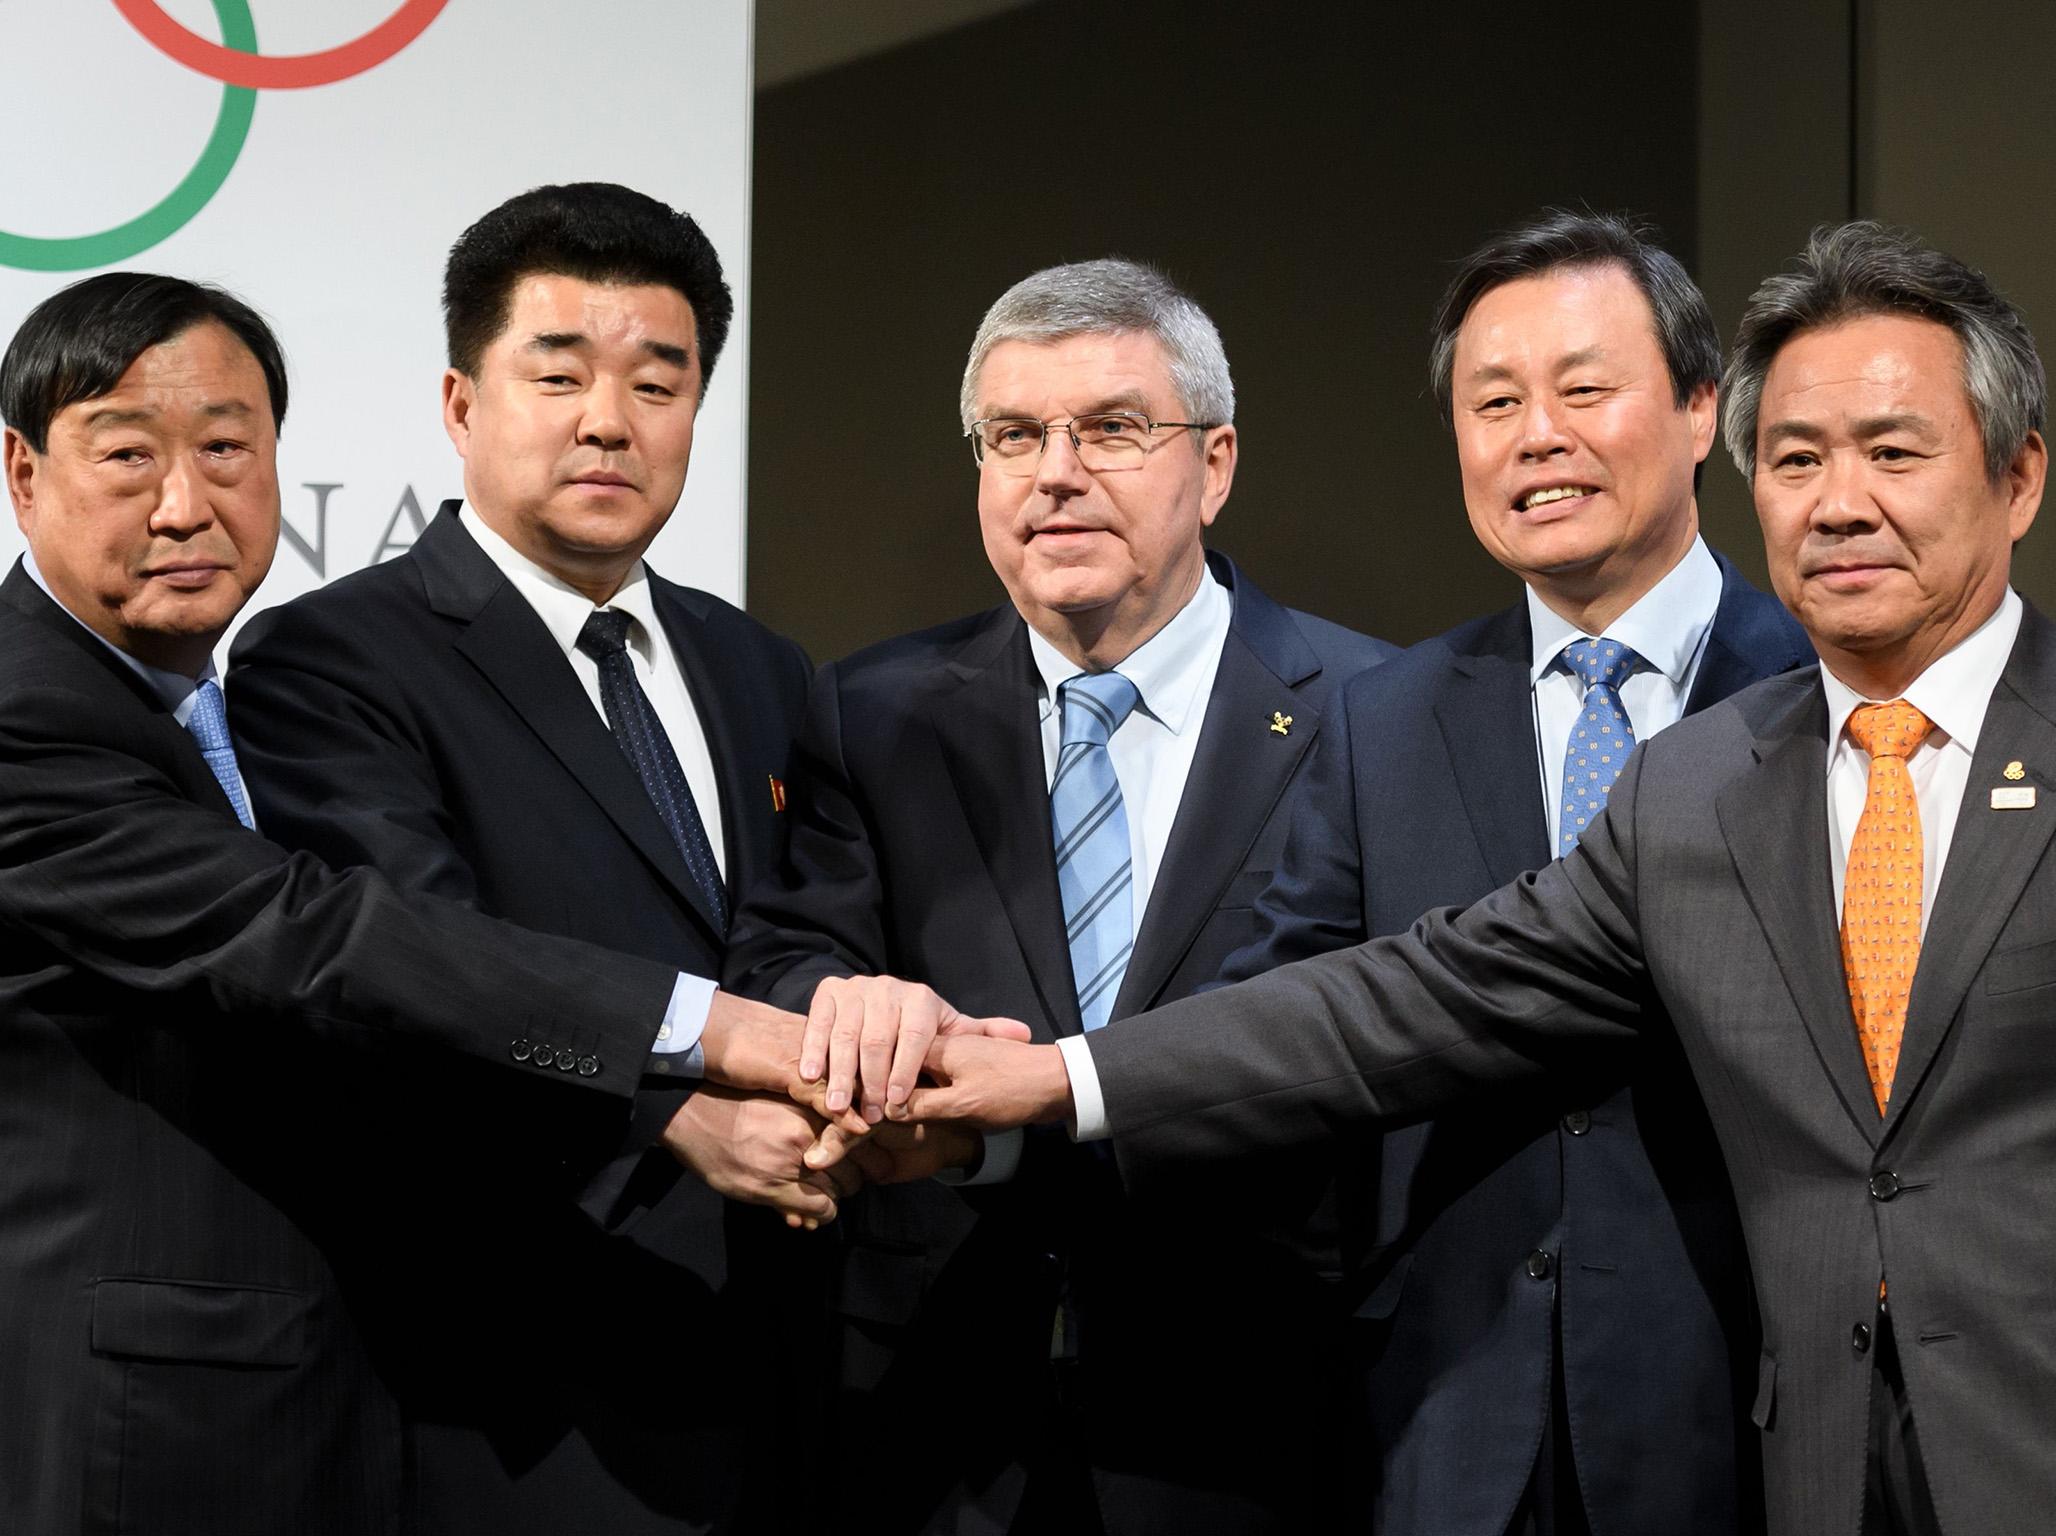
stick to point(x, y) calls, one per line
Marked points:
point(640, 735)
point(1601, 738)
point(1095, 871)
point(208, 723)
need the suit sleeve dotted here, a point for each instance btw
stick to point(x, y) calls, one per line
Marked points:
point(1538, 976)
point(104, 860)
point(1315, 901)
point(821, 911)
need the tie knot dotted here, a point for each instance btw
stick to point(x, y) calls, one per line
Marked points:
point(208, 720)
point(605, 633)
point(1094, 705)
point(1600, 662)
point(1888, 730)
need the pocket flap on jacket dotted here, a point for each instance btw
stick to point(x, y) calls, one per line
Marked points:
point(199, 1322)
point(2016, 970)
point(1765, 1406)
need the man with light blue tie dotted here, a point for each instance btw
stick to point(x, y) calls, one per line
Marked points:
point(1060, 811)
point(1550, 1290)
point(179, 996)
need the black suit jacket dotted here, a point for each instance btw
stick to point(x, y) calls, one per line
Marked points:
point(176, 994)
point(419, 718)
point(923, 849)
point(1425, 793)
point(1701, 903)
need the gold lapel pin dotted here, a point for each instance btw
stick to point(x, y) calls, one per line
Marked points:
point(2015, 771)
point(2014, 795)
point(1281, 723)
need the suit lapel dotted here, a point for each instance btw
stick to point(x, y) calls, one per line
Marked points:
point(1240, 768)
point(514, 652)
point(985, 716)
point(1487, 720)
point(1766, 814)
point(1991, 854)
point(1753, 638)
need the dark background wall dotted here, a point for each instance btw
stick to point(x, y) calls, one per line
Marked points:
point(1310, 175)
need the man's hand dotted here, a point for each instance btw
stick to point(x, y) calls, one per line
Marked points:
point(755, 1048)
point(877, 1030)
point(991, 1084)
point(893, 1153)
point(752, 1149)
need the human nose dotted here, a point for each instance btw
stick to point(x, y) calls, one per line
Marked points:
point(1843, 503)
point(604, 422)
point(182, 506)
point(1059, 471)
point(1542, 431)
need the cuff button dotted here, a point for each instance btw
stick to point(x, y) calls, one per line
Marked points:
point(588, 1066)
point(521, 1050)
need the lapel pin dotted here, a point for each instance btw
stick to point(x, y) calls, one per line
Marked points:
point(1281, 724)
point(778, 791)
point(2014, 772)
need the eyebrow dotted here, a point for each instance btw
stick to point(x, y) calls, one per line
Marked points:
point(114, 416)
point(1583, 357)
point(571, 341)
point(1865, 428)
point(1129, 400)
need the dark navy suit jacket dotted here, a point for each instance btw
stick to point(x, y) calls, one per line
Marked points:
point(1600, 1197)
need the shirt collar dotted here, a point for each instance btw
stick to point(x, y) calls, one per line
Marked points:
point(561, 606)
point(174, 688)
point(1955, 690)
point(1170, 669)
point(1666, 627)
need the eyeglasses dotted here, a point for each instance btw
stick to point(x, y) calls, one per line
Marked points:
point(1102, 439)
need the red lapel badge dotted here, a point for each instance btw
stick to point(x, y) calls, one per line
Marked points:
point(777, 792)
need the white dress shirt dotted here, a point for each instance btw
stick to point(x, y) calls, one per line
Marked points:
point(174, 688)
point(1954, 693)
point(1152, 754)
point(564, 610)
point(1667, 628)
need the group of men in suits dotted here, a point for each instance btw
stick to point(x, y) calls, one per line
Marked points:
point(1882, 1096)
point(431, 1286)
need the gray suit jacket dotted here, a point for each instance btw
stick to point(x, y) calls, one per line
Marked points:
point(1706, 889)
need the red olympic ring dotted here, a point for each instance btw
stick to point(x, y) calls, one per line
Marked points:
point(270, 72)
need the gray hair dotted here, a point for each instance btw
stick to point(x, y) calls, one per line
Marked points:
point(1110, 297)
point(1848, 271)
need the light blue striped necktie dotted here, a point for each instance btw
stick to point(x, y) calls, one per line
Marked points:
point(208, 722)
point(1095, 871)
point(1601, 739)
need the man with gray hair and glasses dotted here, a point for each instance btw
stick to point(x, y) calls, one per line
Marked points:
point(1836, 887)
point(1061, 811)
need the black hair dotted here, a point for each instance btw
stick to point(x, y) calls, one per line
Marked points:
point(77, 343)
point(594, 231)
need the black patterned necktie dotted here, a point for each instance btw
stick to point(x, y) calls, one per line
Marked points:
point(641, 738)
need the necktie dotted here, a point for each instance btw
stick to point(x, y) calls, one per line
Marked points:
point(1095, 871)
point(208, 722)
point(640, 735)
point(1601, 739)
point(1881, 888)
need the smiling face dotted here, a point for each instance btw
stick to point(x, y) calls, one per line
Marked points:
point(153, 511)
point(1884, 534)
point(576, 432)
point(1098, 561)
point(1576, 459)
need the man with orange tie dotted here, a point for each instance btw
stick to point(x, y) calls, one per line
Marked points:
point(1885, 1095)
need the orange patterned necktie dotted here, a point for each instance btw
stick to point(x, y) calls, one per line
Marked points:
point(1881, 888)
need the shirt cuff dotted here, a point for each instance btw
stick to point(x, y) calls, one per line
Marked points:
point(997, 1165)
point(676, 1051)
point(1090, 1120)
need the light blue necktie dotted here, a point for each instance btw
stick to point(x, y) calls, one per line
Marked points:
point(1601, 739)
point(1095, 871)
point(208, 722)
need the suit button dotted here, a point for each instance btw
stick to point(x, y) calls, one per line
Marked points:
point(566, 1062)
point(1859, 1338)
point(1577, 1122)
point(1539, 1265)
point(521, 1050)
point(589, 1066)
point(545, 1056)
point(1884, 1185)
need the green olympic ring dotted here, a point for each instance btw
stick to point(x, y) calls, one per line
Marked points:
point(231, 127)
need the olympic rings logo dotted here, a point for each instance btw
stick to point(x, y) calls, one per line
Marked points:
point(242, 72)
